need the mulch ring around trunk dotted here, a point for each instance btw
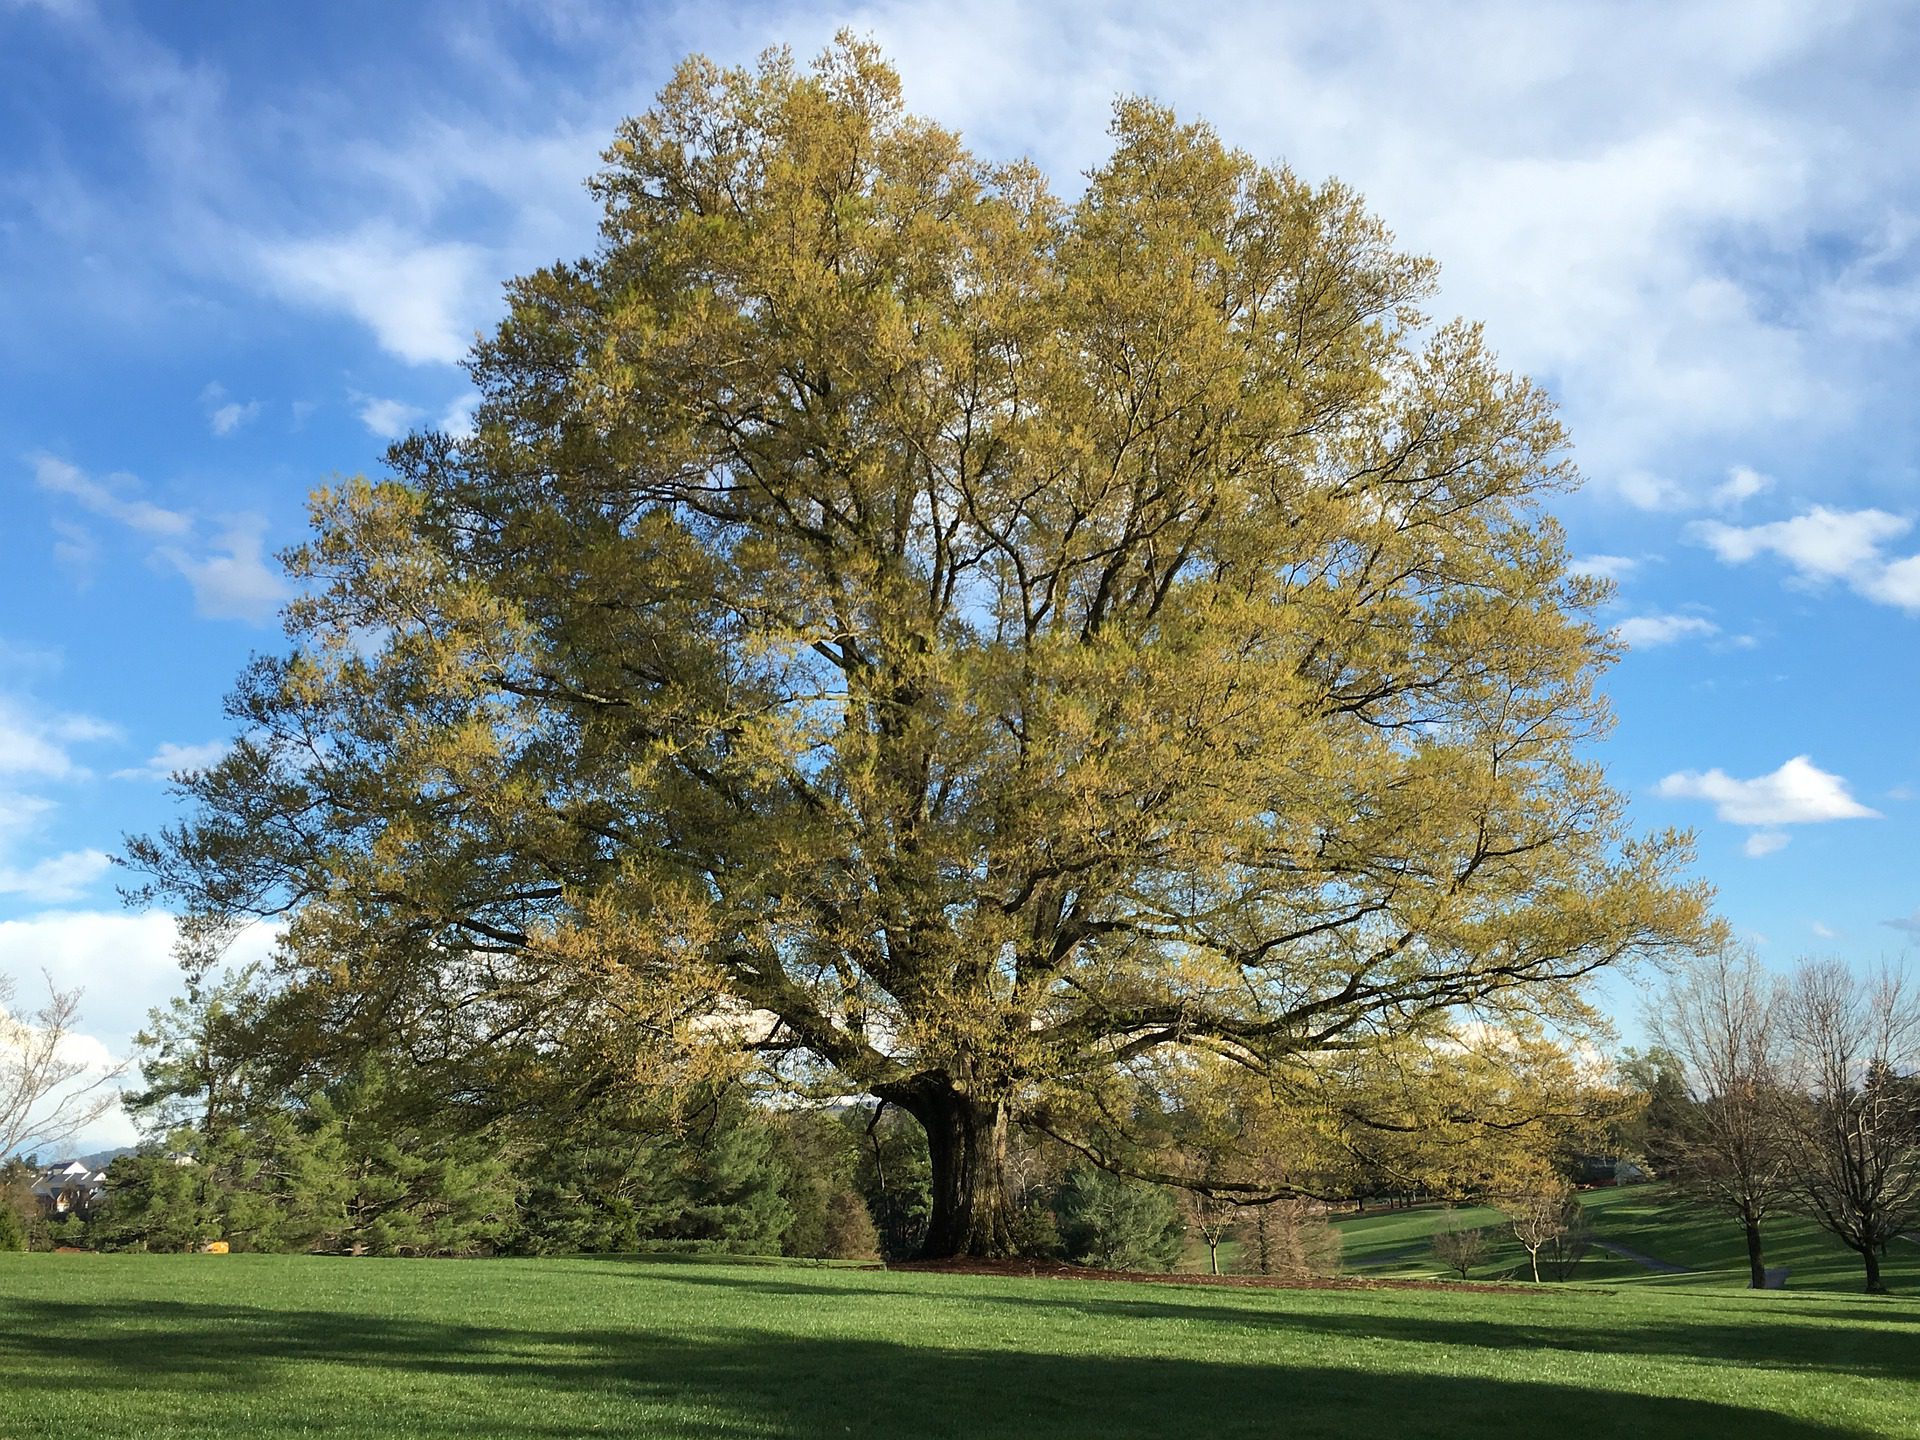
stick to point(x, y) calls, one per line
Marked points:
point(1032, 1269)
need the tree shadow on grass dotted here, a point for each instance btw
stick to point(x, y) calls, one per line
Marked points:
point(1810, 1340)
point(237, 1363)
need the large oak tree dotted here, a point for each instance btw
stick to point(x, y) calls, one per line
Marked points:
point(958, 638)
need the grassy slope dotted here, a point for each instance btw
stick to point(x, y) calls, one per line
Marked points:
point(173, 1346)
point(1652, 1220)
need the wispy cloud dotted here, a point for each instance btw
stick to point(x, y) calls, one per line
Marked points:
point(224, 561)
point(1908, 923)
point(111, 499)
point(1644, 632)
point(230, 575)
point(225, 414)
point(1603, 567)
point(389, 419)
point(169, 758)
point(40, 743)
point(419, 297)
point(1741, 485)
point(57, 879)
point(457, 419)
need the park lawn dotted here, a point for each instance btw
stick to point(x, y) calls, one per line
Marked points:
point(1651, 1219)
point(266, 1346)
point(1658, 1222)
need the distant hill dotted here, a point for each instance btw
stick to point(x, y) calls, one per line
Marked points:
point(99, 1159)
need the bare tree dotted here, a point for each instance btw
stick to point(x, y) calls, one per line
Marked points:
point(1548, 1221)
point(1212, 1217)
point(1460, 1246)
point(47, 1096)
point(1721, 1019)
point(1856, 1153)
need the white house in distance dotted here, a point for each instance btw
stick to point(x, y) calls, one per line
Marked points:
point(70, 1187)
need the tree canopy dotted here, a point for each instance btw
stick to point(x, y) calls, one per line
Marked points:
point(941, 635)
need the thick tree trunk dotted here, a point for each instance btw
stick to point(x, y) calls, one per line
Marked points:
point(1754, 1261)
point(967, 1144)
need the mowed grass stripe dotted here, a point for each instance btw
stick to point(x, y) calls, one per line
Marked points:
point(161, 1346)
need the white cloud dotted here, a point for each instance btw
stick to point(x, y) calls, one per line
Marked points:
point(457, 419)
point(1798, 793)
point(20, 813)
point(1741, 485)
point(1824, 545)
point(389, 419)
point(76, 551)
point(56, 879)
point(415, 294)
point(107, 500)
point(1823, 931)
point(1765, 842)
point(231, 416)
point(1643, 632)
point(1603, 567)
point(123, 964)
point(1646, 491)
point(231, 578)
point(169, 758)
point(225, 415)
point(1895, 583)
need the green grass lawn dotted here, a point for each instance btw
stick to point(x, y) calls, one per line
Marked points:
point(205, 1346)
point(1648, 1218)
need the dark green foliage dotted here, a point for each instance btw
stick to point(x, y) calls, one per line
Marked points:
point(1036, 1230)
point(160, 1198)
point(1117, 1224)
point(626, 1174)
point(353, 1169)
point(20, 1220)
point(895, 1177)
point(728, 1186)
point(597, 1192)
point(820, 1151)
point(415, 1185)
point(1657, 1133)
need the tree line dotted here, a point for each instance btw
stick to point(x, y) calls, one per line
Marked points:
point(351, 1151)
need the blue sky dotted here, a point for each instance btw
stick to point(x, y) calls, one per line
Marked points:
point(241, 247)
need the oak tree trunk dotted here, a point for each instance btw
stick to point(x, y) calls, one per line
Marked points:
point(967, 1147)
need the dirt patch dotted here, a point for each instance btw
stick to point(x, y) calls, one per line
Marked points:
point(1028, 1269)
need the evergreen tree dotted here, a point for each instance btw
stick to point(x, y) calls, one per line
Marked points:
point(1114, 1223)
